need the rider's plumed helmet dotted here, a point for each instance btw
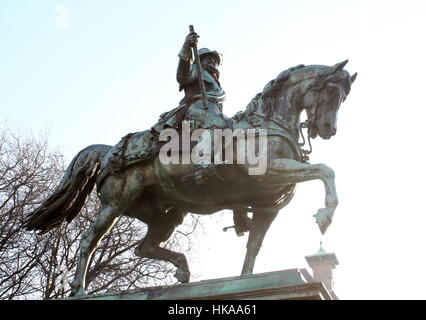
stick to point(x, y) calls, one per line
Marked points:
point(205, 51)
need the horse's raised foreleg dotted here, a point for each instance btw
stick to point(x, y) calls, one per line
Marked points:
point(260, 224)
point(160, 231)
point(105, 221)
point(292, 171)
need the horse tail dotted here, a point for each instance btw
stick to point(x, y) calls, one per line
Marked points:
point(69, 197)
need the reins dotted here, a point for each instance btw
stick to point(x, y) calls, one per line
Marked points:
point(306, 125)
point(305, 153)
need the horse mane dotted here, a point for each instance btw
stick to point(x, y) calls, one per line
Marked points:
point(273, 85)
point(265, 96)
point(264, 100)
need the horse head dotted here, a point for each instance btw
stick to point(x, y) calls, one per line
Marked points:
point(317, 89)
point(322, 96)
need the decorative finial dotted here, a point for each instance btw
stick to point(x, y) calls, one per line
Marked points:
point(321, 249)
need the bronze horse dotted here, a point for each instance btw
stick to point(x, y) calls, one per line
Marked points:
point(157, 194)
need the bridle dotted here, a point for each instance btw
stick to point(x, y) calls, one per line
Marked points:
point(312, 111)
point(318, 86)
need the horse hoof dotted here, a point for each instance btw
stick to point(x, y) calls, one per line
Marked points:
point(182, 275)
point(78, 293)
point(323, 219)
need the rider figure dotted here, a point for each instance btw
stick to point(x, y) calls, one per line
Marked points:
point(188, 81)
point(191, 107)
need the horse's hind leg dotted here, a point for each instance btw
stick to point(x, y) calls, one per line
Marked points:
point(104, 222)
point(160, 231)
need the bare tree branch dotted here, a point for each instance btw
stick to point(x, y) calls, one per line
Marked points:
point(31, 265)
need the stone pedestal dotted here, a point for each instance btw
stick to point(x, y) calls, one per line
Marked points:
point(292, 284)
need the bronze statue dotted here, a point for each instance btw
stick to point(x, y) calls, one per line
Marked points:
point(132, 181)
point(202, 104)
point(204, 96)
point(191, 106)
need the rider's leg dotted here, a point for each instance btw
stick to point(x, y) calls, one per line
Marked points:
point(203, 149)
point(242, 222)
point(206, 120)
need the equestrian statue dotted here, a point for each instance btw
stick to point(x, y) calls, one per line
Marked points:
point(132, 180)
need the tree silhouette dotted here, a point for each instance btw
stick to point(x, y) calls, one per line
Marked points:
point(36, 266)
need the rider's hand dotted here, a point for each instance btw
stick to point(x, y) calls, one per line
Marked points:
point(191, 40)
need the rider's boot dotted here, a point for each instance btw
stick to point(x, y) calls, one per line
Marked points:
point(203, 161)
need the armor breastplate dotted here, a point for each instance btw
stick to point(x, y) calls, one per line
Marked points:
point(213, 89)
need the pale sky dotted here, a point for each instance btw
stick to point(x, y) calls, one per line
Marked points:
point(109, 69)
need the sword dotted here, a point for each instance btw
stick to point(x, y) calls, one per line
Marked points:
point(199, 73)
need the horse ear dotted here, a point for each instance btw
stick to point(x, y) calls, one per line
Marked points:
point(353, 77)
point(339, 66)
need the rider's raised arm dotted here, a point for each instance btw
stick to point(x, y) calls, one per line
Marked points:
point(184, 66)
point(185, 59)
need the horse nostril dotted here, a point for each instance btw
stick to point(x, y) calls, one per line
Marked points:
point(330, 129)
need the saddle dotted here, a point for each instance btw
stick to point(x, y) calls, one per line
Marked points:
point(132, 148)
point(144, 146)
